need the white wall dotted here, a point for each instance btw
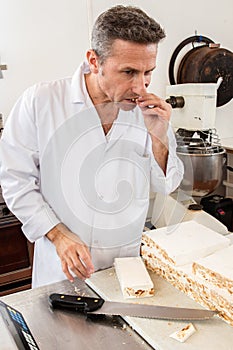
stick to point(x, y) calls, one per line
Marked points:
point(39, 40)
point(47, 39)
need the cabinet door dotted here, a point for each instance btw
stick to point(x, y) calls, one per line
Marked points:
point(13, 248)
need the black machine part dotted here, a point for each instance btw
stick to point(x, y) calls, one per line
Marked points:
point(221, 208)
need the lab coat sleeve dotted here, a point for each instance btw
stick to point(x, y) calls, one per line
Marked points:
point(174, 172)
point(19, 170)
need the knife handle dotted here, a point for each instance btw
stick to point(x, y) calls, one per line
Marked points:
point(75, 302)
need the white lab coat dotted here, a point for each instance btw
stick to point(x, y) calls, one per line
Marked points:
point(57, 165)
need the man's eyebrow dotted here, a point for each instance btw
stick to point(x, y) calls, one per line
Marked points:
point(151, 70)
point(137, 70)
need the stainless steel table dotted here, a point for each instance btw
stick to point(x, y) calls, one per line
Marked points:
point(66, 330)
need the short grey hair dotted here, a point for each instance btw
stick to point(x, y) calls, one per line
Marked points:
point(128, 23)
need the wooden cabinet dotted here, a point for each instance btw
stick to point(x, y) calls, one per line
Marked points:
point(229, 181)
point(16, 256)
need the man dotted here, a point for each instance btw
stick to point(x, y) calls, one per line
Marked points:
point(80, 156)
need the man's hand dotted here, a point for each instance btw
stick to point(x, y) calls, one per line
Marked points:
point(156, 114)
point(73, 252)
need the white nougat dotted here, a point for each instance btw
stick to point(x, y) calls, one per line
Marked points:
point(216, 272)
point(133, 277)
point(183, 334)
point(206, 274)
point(185, 242)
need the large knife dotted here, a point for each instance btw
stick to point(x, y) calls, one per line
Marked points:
point(98, 306)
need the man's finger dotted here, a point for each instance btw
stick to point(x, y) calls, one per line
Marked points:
point(85, 258)
point(66, 271)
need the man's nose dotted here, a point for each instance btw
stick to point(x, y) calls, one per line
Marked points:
point(140, 85)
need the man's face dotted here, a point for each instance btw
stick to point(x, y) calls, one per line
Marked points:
point(126, 73)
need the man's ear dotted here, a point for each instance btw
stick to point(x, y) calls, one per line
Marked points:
point(92, 59)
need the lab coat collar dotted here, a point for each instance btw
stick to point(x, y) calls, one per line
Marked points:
point(79, 92)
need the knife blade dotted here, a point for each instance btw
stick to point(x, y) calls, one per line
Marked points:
point(98, 306)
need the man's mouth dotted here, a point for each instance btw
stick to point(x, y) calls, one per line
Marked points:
point(133, 100)
point(128, 104)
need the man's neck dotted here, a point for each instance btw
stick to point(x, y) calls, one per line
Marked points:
point(107, 110)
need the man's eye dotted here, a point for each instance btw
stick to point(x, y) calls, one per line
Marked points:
point(128, 72)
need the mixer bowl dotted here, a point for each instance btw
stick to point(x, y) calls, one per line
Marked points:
point(202, 172)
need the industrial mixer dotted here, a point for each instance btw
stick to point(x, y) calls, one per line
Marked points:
point(198, 144)
point(204, 82)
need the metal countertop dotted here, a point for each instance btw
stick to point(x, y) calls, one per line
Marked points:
point(61, 329)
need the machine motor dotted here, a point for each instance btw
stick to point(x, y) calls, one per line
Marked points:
point(221, 208)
